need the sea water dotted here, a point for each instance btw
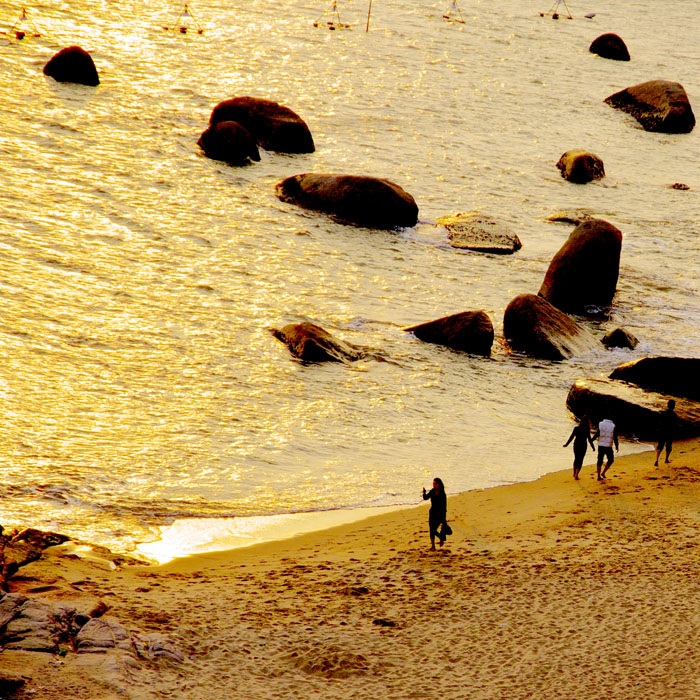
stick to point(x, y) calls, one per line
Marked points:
point(139, 382)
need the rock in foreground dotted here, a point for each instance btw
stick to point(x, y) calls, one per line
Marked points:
point(469, 331)
point(581, 166)
point(636, 412)
point(610, 46)
point(273, 126)
point(72, 65)
point(364, 201)
point(311, 343)
point(230, 142)
point(479, 232)
point(658, 105)
point(533, 326)
point(678, 376)
point(584, 272)
point(620, 338)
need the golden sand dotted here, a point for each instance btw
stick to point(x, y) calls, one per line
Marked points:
point(550, 589)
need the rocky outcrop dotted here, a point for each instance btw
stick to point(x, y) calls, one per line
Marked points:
point(22, 548)
point(610, 46)
point(677, 376)
point(620, 338)
point(230, 142)
point(658, 105)
point(478, 232)
point(311, 343)
point(571, 216)
point(635, 412)
point(581, 166)
point(469, 331)
point(533, 326)
point(364, 201)
point(583, 273)
point(72, 65)
point(273, 126)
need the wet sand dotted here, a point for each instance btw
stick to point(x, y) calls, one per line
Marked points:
point(550, 589)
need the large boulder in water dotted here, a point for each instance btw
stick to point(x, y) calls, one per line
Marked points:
point(533, 326)
point(311, 343)
point(365, 201)
point(634, 411)
point(274, 126)
point(230, 142)
point(610, 46)
point(658, 105)
point(677, 376)
point(474, 231)
point(581, 166)
point(72, 65)
point(469, 331)
point(584, 271)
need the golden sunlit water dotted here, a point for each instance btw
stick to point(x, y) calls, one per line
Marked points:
point(139, 382)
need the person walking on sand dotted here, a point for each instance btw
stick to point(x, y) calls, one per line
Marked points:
point(437, 515)
point(667, 424)
point(581, 435)
point(606, 436)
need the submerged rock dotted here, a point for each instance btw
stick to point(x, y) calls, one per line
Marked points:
point(311, 343)
point(533, 326)
point(274, 126)
point(360, 200)
point(478, 232)
point(584, 271)
point(468, 331)
point(620, 338)
point(677, 376)
point(635, 412)
point(72, 65)
point(610, 46)
point(571, 216)
point(658, 105)
point(230, 142)
point(581, 166)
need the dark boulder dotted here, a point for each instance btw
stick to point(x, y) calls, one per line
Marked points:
point(364, 201)
point(583, 273)
point(469, 331)
point(658, 105)
point(677, 376)
point(533, 326)
point(73, 65)
point(635, 412)
point(620, 338)
point(610, 46)
point(274, 126)
point(581, 166)
point(311, 343)
point(478, 232)
point(230, 142)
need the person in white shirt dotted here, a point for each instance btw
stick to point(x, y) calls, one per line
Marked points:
point(606, 434)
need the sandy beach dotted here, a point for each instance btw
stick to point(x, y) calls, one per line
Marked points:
point(550, 589)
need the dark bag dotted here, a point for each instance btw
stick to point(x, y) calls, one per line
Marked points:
point(445, 530)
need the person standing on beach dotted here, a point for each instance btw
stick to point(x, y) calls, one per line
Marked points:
point(606, 436)
point(667, 424)
point(581, 435)
point(437, 515)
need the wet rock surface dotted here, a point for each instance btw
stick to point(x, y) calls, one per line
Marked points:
point(73, 65)
point(468, 331)
point(610, 46)
point(677, 376)
point(579, 166)
point(478, 232)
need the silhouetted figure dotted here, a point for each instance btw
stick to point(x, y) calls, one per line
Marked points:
point(667, 425)
point(437, 515)
point(581, 435)
point(606, 436)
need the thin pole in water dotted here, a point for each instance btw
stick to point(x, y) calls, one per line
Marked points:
point(369, 10)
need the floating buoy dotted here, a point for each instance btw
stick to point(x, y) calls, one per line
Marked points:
point(181, 22)
point(16, 29)
point(334, 22)
point(554, 10)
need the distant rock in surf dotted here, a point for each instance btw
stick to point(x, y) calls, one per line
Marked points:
point(570, 216)
point(468, 331)
point(360, 200)
point(311, 343)
point(273, 126)
point(679, 186)
point(584, 272)
point(678, 376)
point(474, 231)
point(658, 105)
point(581, 166)
point(610, 46)
point(533, 326)
point(72, 65)
point(620, 338)
point(229, 142)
